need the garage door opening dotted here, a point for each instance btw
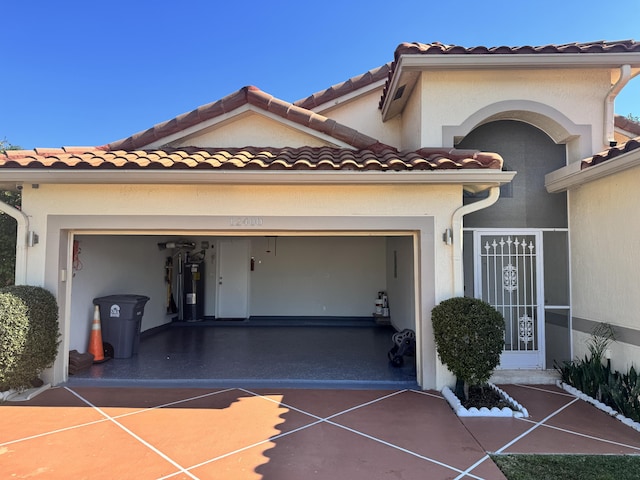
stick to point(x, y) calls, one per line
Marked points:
point(252, 309)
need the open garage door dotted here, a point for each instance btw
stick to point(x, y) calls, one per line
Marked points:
point(301, 307)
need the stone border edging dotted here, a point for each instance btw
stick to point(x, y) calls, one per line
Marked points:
point(599, 405)
point(21, 396)
point(456, 405)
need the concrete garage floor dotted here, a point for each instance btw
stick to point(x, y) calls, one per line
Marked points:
point(259, 354)
point(281, 434)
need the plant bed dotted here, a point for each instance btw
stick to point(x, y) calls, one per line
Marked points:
point(599, 405)
point(595, 382)
point(492, 402)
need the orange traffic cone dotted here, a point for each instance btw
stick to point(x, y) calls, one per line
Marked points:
point(95, 340)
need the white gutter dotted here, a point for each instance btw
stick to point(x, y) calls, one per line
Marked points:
point(456, 226)
point(21, 241)
point(625, 76)
point(467, 176)
point(516, 61)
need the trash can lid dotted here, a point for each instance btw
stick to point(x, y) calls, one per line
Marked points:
point(121, 298)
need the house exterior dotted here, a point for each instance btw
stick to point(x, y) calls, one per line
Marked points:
point(449, 171)
point(603, 204)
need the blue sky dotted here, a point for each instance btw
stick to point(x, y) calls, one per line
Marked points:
point(92, 72)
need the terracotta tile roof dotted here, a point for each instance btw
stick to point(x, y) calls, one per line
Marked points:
point(613, 152)
point(251, 158)
point(341, 89)
point(437, 48)
point(246, 95)
point(627, 124)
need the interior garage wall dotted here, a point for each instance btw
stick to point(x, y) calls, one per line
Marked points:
point(317, 276)
point(400, 282)
point(113, 265)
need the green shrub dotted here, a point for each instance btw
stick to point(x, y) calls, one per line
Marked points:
point(469, 336)
point(622, 393)
point(29, 334)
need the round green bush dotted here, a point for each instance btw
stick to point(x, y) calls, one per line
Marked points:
point(29, 334)
point(469, 336)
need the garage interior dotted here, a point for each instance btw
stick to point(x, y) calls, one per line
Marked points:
point(281, 308)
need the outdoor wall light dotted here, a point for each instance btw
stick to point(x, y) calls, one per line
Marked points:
point(447, 236)
point(32, 238)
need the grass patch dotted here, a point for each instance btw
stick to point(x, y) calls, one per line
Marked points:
point(569, 467)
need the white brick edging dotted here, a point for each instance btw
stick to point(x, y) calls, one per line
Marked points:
point(24, 395)
point(599, 405)
point(518, 410)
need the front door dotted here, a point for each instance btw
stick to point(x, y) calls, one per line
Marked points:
point(232, 300)
point(508, 275)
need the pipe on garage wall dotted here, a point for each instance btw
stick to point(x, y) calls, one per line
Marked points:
point(456, 227)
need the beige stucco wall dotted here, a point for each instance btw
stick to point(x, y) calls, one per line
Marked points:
point(220, 199)
point(362, 113)
point(453, 96)
point(206, 209)
point(623, 355)
point(413, 118)
point(252, 129)
point(605, 257)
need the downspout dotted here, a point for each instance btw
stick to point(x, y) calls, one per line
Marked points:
point(456, 227)
point(21, 241)
point(625, 76)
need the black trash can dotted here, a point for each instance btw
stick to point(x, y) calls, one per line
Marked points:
point(120, 322)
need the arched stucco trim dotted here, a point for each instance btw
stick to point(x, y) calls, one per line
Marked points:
point(551, 121)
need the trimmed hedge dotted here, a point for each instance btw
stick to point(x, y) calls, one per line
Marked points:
point(29, 334)
point(469, 336)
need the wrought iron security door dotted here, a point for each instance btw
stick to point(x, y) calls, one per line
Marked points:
point(508, 275)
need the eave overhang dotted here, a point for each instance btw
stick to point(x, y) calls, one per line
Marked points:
point(471, 179)
point(573, 175)
point(408, 68)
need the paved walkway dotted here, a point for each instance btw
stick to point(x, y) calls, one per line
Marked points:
point(280, 434)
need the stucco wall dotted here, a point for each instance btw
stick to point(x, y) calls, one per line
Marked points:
point(251, 129)
point(363, 114)
point(454, 96)
point(605, 246)
point(414, 118)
